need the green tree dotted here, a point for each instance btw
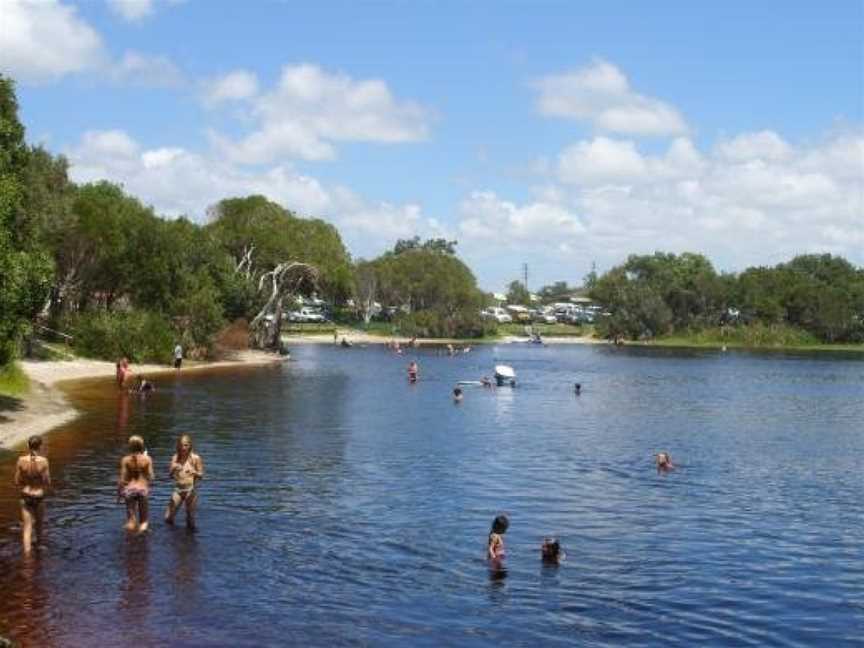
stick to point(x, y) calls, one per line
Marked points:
point(517, 293)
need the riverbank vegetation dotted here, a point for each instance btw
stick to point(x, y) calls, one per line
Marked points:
point(95, 265)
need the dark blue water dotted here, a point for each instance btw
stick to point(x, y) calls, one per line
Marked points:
point(344, 506)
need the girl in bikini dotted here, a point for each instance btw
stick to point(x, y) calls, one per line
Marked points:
point(33, 479)
point(186, 470)
point(136, 474)
point(495, 545)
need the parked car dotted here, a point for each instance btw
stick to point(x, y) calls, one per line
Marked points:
point(306, 314)
point(496, 313)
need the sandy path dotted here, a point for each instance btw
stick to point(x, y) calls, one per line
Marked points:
point(45, 407)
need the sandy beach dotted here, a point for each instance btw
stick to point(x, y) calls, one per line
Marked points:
point(360, 337)
point(45, 407)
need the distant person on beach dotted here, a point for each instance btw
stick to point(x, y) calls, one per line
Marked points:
point(178, 356)
point(122, 371)
point(133, 486)
point(33, 479)
point(550, 551)
point(664, 462)
point(457, 394)
point(186, 470)
point(495, 544)
point(413, 370)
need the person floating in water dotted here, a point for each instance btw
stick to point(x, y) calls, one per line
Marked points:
point(457, 394)
point(664, 462)
point(550, 551)
point(133, 486)
point(186, 469)
point(33, 479)
point(413, 371)
point(495, 544)
point(577, 388)
point(144, 386)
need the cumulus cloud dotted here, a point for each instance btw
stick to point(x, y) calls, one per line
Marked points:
point(139, 69)
point(135, 10)
point(310, 109)
point(234, 86)
point(600, 94)
point(41, 40)
point(753, 199)
point(177, 182)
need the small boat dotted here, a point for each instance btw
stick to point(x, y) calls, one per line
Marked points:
point(504, 375)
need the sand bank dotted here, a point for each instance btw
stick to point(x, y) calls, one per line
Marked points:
point(45, 407)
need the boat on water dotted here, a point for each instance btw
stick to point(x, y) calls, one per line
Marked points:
point(505, 375)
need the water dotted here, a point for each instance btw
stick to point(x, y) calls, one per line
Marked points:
point(344, 506)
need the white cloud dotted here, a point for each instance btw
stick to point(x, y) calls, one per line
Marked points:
point(143, 70)
point(234, 86)
point(310, 109)
point(753, 199)
point(177, 181)
point(131, 10)
point(764, 145)
point(41, 40)
point(136, 10)
point(601, 94)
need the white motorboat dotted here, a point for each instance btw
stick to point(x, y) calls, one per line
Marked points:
point(505, 375)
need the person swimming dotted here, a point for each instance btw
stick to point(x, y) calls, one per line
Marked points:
point(413, 370)
point(457, 394)
point(664, 462)
point(144, 386)
point(186, 469)
point(550, 551)
point(495, 543)
point(33, 479)
point(133, 485)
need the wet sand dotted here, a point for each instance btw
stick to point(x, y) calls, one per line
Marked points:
point(45, 407)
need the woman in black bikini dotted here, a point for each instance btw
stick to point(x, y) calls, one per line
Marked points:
point(33, 478)
point(186, 470)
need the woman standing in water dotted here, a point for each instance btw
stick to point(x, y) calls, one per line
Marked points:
point(186, 470)
point(33, 478)
point(136, 474)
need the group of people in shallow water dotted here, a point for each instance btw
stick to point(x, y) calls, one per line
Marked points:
point(186, 470)
point(550, 549)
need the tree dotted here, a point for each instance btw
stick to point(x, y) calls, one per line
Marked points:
point(517, 293)
point(366, 278)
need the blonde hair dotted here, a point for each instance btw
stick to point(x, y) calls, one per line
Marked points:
point(179, 446)
point(136, 443)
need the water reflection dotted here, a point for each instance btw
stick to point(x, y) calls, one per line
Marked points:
point(133, 602)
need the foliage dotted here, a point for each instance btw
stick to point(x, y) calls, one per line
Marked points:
point(517, 293)
point(433, 245)
point(556, 292)
point(13, 380)
point(434, 324)
point(140, 336)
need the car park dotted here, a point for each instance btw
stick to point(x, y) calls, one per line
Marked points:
point(496, 313)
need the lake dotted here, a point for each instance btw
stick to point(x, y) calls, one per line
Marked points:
point(344, 506)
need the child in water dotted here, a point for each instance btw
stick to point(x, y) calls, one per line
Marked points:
point(413, 370)
point(495, 545)
point(550, 551)
point(664, 462)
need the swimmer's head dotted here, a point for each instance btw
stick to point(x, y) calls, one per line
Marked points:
point(184, 444)
point(34, 442)
point(500, 524)
point(663, 459)
point(551, 549)
point(136, 443)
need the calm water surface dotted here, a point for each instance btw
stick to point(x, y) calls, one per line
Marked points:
point(344, 506)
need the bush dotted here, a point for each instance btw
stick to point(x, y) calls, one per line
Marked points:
point(432, 324)
point(137, 335)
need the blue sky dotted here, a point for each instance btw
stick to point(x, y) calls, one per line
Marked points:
point(553, 133)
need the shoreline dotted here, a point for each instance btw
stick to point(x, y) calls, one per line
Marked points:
point(45, 406)
point(362, 338)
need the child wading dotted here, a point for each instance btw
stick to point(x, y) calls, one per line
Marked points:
point(186, 470)
point(495, 546)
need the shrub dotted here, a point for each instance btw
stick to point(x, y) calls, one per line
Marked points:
point(433, 324)
point(138, 335)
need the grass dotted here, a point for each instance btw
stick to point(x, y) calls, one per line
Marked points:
point(13, 380)
point(755, 336)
